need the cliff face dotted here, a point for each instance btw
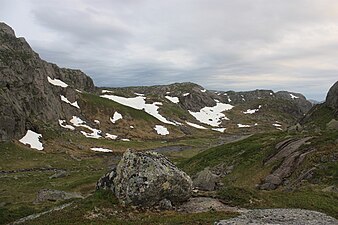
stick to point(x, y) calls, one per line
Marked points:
point(332, 97)
point(26, 96)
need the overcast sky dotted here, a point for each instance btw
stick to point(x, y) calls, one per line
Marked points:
point(219, 44)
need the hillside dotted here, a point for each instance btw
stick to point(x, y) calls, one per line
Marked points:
point(59, 134)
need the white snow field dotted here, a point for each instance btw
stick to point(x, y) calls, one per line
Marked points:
point(57, 82)
point(33, 140)
point(161, 130)
point(75, 104)
point(172, 99)
point(212, 116)
point(195, 125)
point(101, 150)
point(139, 103)
point(117, 116)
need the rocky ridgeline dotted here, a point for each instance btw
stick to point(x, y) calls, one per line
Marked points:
point(147, 179)
point(332, 97)
point(27, 99)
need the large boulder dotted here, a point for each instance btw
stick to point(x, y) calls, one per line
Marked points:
point(147, 179)
point(206, 180)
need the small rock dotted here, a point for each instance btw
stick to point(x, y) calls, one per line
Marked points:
point(206, 180)
point(54, 195)
point(59, 174)
point(165, 204)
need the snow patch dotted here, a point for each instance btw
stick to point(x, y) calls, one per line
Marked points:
point(186, 94)
point(96, 121)
point(106, 91)
point(243, 125)
point(132, 127)
point(117, 116)
point(32, 139)
point(140, 104)
point(195, 125)
point(212, 116)
point(252, 111)
point(138, 94)
point(70, 127)
point(125, 139)
point(57, 82)
point(276, 125)
point(75, 104)
point(111, 136)
point(161, 130)
point(77, 122)
point(293, 96)
point(101, 150)
point(172, 99)
point(203, 90)
point(219, 129)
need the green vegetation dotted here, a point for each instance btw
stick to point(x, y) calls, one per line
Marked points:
point(319, 116)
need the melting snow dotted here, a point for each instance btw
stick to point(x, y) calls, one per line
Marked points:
point(186, 94)
point(139, 94)
point(212, 115)
point(101, 150)
point(161, 130)
point(219, 129)
point(276, 125)
point(271, 93)
point(243, 125)
point(125, 139)
point(76, 121)
point(140, 103)
point(229, 100)
point(106, 91)
point(293, 96)
point(96, 121)
point(195, 125)
point(57, 82)
point(70, 127)
point(64, 99)
point(252, 111)
point(117, 116)
point(278, 128)
point(168, 92)
point(132, 127)
point(203, 90)
point(31, 138)
point(172, 99)
point(111, 136)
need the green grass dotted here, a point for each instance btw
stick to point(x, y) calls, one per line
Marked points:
point(319, 116)
point(104, 205)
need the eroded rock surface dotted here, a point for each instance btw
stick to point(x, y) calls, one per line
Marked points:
point(281, 217)
point(147, 179)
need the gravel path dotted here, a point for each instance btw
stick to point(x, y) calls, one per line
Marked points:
point(280, 217)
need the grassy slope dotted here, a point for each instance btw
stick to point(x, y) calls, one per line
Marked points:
point(248, 155)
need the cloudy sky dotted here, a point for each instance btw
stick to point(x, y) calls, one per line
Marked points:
point(219, 44)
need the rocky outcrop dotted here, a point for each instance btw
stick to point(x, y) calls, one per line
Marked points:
point(332, 97)
point(281, 217)
point(288, 151)
point(147, 179)
point(27, 99)
point(55, 195)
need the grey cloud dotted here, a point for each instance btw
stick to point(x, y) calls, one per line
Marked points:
point(219, 44)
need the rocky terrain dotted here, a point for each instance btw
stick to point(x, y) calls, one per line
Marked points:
point(199, 156)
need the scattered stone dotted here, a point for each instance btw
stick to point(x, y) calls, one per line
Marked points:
point(59, 174)
point(280, 217)
point(165, 204)
point(204, 204)
point(54, 195)
point(106, 182)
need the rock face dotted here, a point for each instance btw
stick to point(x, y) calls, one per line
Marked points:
point(332, 97)
point(26, 97)
point(147, 179)
point(281, 217)
point(288, 150)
